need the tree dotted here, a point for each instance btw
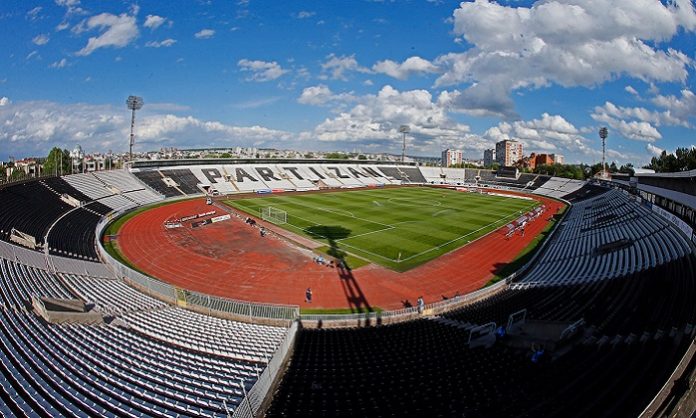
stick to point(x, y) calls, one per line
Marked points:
point(561, 170)
point(686, 158)
point(336, 156)
point(58, 162)
point(627, 169)
point(665, 163)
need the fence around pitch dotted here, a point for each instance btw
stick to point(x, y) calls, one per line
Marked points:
point(266, 313)
point(399, 315)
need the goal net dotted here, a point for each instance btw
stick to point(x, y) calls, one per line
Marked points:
point(274, 215)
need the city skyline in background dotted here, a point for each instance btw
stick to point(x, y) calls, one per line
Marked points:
point(333, 76)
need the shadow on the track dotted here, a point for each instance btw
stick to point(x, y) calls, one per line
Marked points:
point(351, 288)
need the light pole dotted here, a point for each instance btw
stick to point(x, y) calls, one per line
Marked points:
point(134, 103)
point(603, 133)
point(404, 129)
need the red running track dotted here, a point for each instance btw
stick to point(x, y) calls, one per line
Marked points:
point(231, 259)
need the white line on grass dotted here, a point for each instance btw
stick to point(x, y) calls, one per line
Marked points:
point(462, 237)
point(366, 233)
point(342, 214)
point(392, 226)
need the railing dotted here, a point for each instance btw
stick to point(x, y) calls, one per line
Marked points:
point(252, 310)
point(212, 305)
point(258, 312)
point(412, 312)
point(252, 403)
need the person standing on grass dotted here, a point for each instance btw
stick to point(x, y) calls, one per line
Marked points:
point(308, 295)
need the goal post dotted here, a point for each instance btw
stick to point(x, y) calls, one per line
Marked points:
point(274, 215)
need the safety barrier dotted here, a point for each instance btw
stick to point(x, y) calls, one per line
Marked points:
point(229, 308)
point(272, 313)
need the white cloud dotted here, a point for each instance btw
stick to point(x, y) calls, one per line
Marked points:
point(550, 133)
point(166, 128)
point(40, 39)
point(118, 31)
point(62, 26)
point(652, 149)
point(72, 6)
point(630, 129)
point(305, 14)
point(375, 119)
point(204, 34)
point(321, 95)
point(257, 103)
point(153, 21)
point(33, 14)
point(569, 43)
point(261, 70)
point(630, 90)
point(641, 123)
point(60, 64)
point(682, 108)
point(158, 44)
point(32, 54)
point(68, 3)
point(32, 128)
point(337, 67)
point(5, 101)
point(401, 71)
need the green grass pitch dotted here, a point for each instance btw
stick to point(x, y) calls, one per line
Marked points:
point(399, 228)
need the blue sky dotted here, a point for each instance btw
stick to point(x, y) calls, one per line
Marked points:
point(343, 75)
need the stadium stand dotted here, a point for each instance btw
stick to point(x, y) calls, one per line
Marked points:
point(403, 174)
point(89, 185)
point(486, 176)
point(60, 187)
point(73, 235)
point(118, 369)
point(574, 255)
point(558, 187)
point(154, 180)
point(21, 282)
point(184, 179)
point(434, 175)
point(110, 296)
point(30, 208)
point(524, 181)
point(207, 334)
point(426, 368)
point(587, 191)
point(613, 263)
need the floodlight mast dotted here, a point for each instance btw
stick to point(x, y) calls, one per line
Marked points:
point(604, 133)
point(134, 103)
point(404, 129)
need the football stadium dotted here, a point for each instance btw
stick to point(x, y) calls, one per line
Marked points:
point(363, 208)
point(176, 290)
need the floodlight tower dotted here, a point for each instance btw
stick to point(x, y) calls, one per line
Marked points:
point(603, 133)
point(404, 129)
point(134, 103)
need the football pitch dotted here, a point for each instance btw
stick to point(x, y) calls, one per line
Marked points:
point(399, 228)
